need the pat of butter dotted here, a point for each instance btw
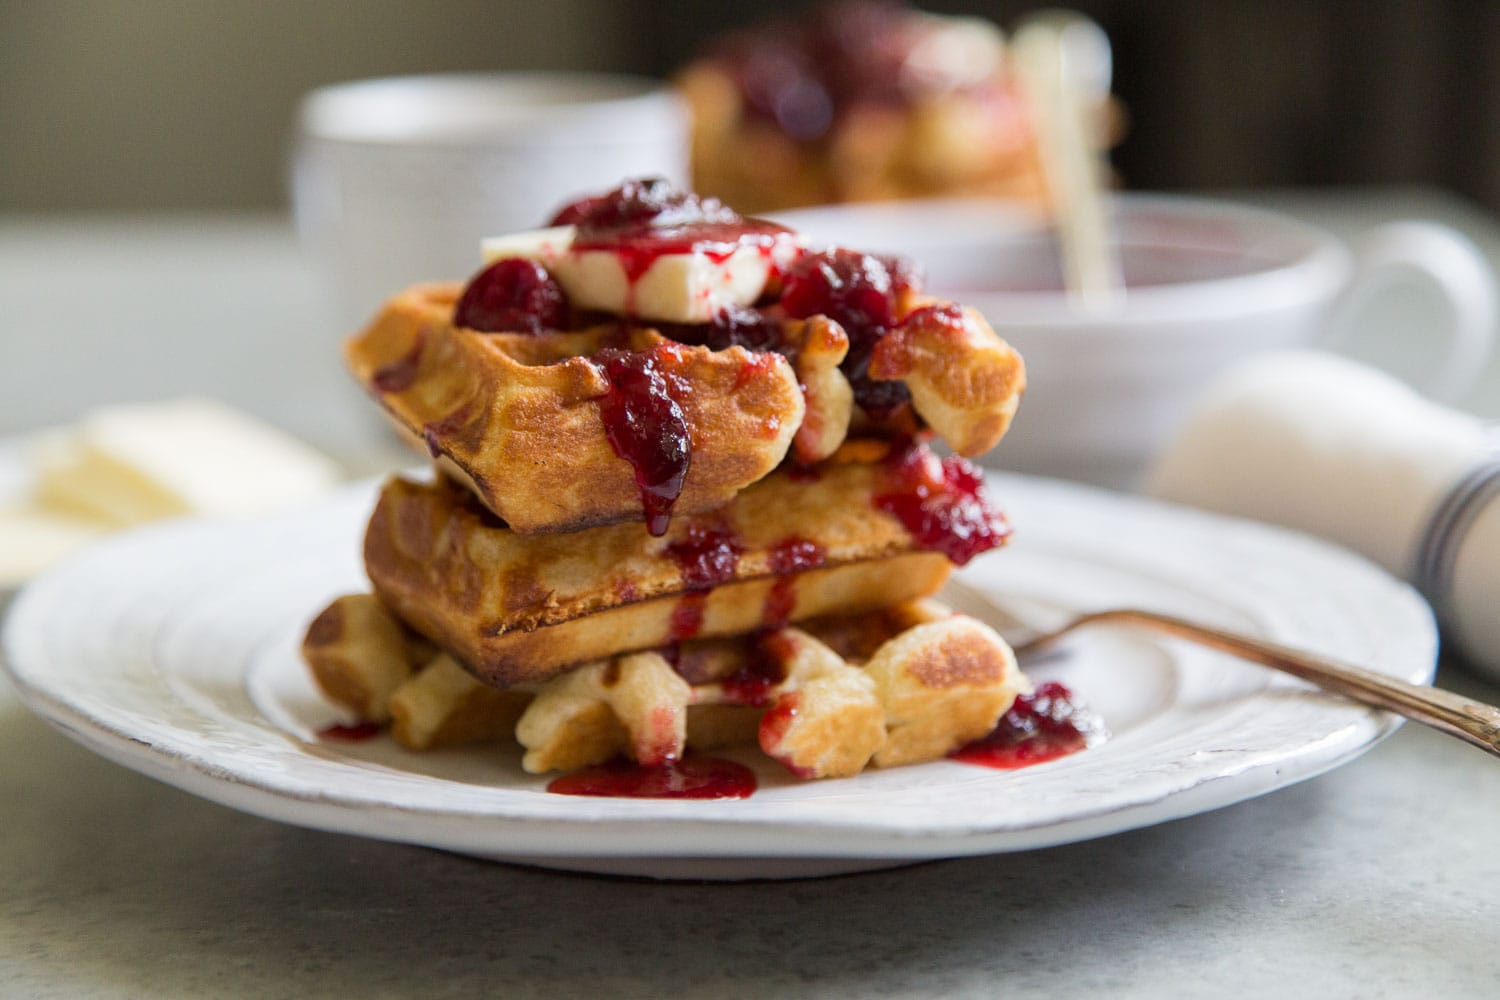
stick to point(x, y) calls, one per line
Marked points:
point(129, 464)
point(688, 287)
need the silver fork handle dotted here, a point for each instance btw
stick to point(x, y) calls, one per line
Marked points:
point(1469, 720)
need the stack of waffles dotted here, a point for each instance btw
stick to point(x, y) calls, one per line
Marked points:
point(683, 500)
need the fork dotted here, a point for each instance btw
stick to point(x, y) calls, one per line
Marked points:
point(1471, 721)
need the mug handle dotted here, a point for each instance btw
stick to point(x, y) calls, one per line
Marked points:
point(1461, 274)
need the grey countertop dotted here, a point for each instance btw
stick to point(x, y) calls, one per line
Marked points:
point(1375, 880)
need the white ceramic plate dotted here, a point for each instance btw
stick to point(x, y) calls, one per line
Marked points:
point(173, 651)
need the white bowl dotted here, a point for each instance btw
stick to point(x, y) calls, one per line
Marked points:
point(1208, 283)
point(396, 180)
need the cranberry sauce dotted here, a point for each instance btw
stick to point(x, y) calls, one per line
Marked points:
point(732, 326)
point(751, 684)
point(707, 557)
point(774, 726)
point(804, 76)
point(859, 292)
point(687, 616)
point(692, 777)
point(942, 503)
point(789, 557)
point(642, 203)
point(512, 295)
point(642, 220)
point(1047, 724)
point(646, 427)
point(355, 733)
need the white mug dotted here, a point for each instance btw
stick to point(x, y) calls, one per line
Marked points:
point(395, 181)
point(1209, 283)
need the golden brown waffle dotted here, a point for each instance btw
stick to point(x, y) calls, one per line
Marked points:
point(516, 415)
point(899, 685)
point(519, 608)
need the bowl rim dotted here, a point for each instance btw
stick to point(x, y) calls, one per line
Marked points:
point(1312, 272)
point(497, 110)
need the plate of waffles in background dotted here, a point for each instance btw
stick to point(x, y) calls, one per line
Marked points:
point(674, 595)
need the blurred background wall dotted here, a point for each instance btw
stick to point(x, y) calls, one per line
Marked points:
point(109, 105)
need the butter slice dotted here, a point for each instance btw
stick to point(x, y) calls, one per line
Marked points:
point(129, 464)
point(677, 287)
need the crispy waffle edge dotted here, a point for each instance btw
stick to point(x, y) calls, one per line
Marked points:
point(520, 608)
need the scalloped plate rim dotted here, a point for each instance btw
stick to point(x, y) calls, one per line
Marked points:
point(737, 844)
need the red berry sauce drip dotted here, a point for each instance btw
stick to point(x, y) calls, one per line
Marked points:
point(707, 557)
point(692, 777)
point(356, 733)
point(859, 292)
point(942, 503)
point(687, 616)
point(789, 557)
point(796, 555)
point(1044, 725)
point(641, 203)
point(642, 220)
point(646, 427)
point(732, 326)
point(751, 684)
point(512, 295)
point(774, 726)
point(781, 601)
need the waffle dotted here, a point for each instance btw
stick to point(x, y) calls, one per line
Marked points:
point(965, 382)
point(521, 608)
point(896, 686)
point(515, 416)
point(713, 530)
point(359, 654)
